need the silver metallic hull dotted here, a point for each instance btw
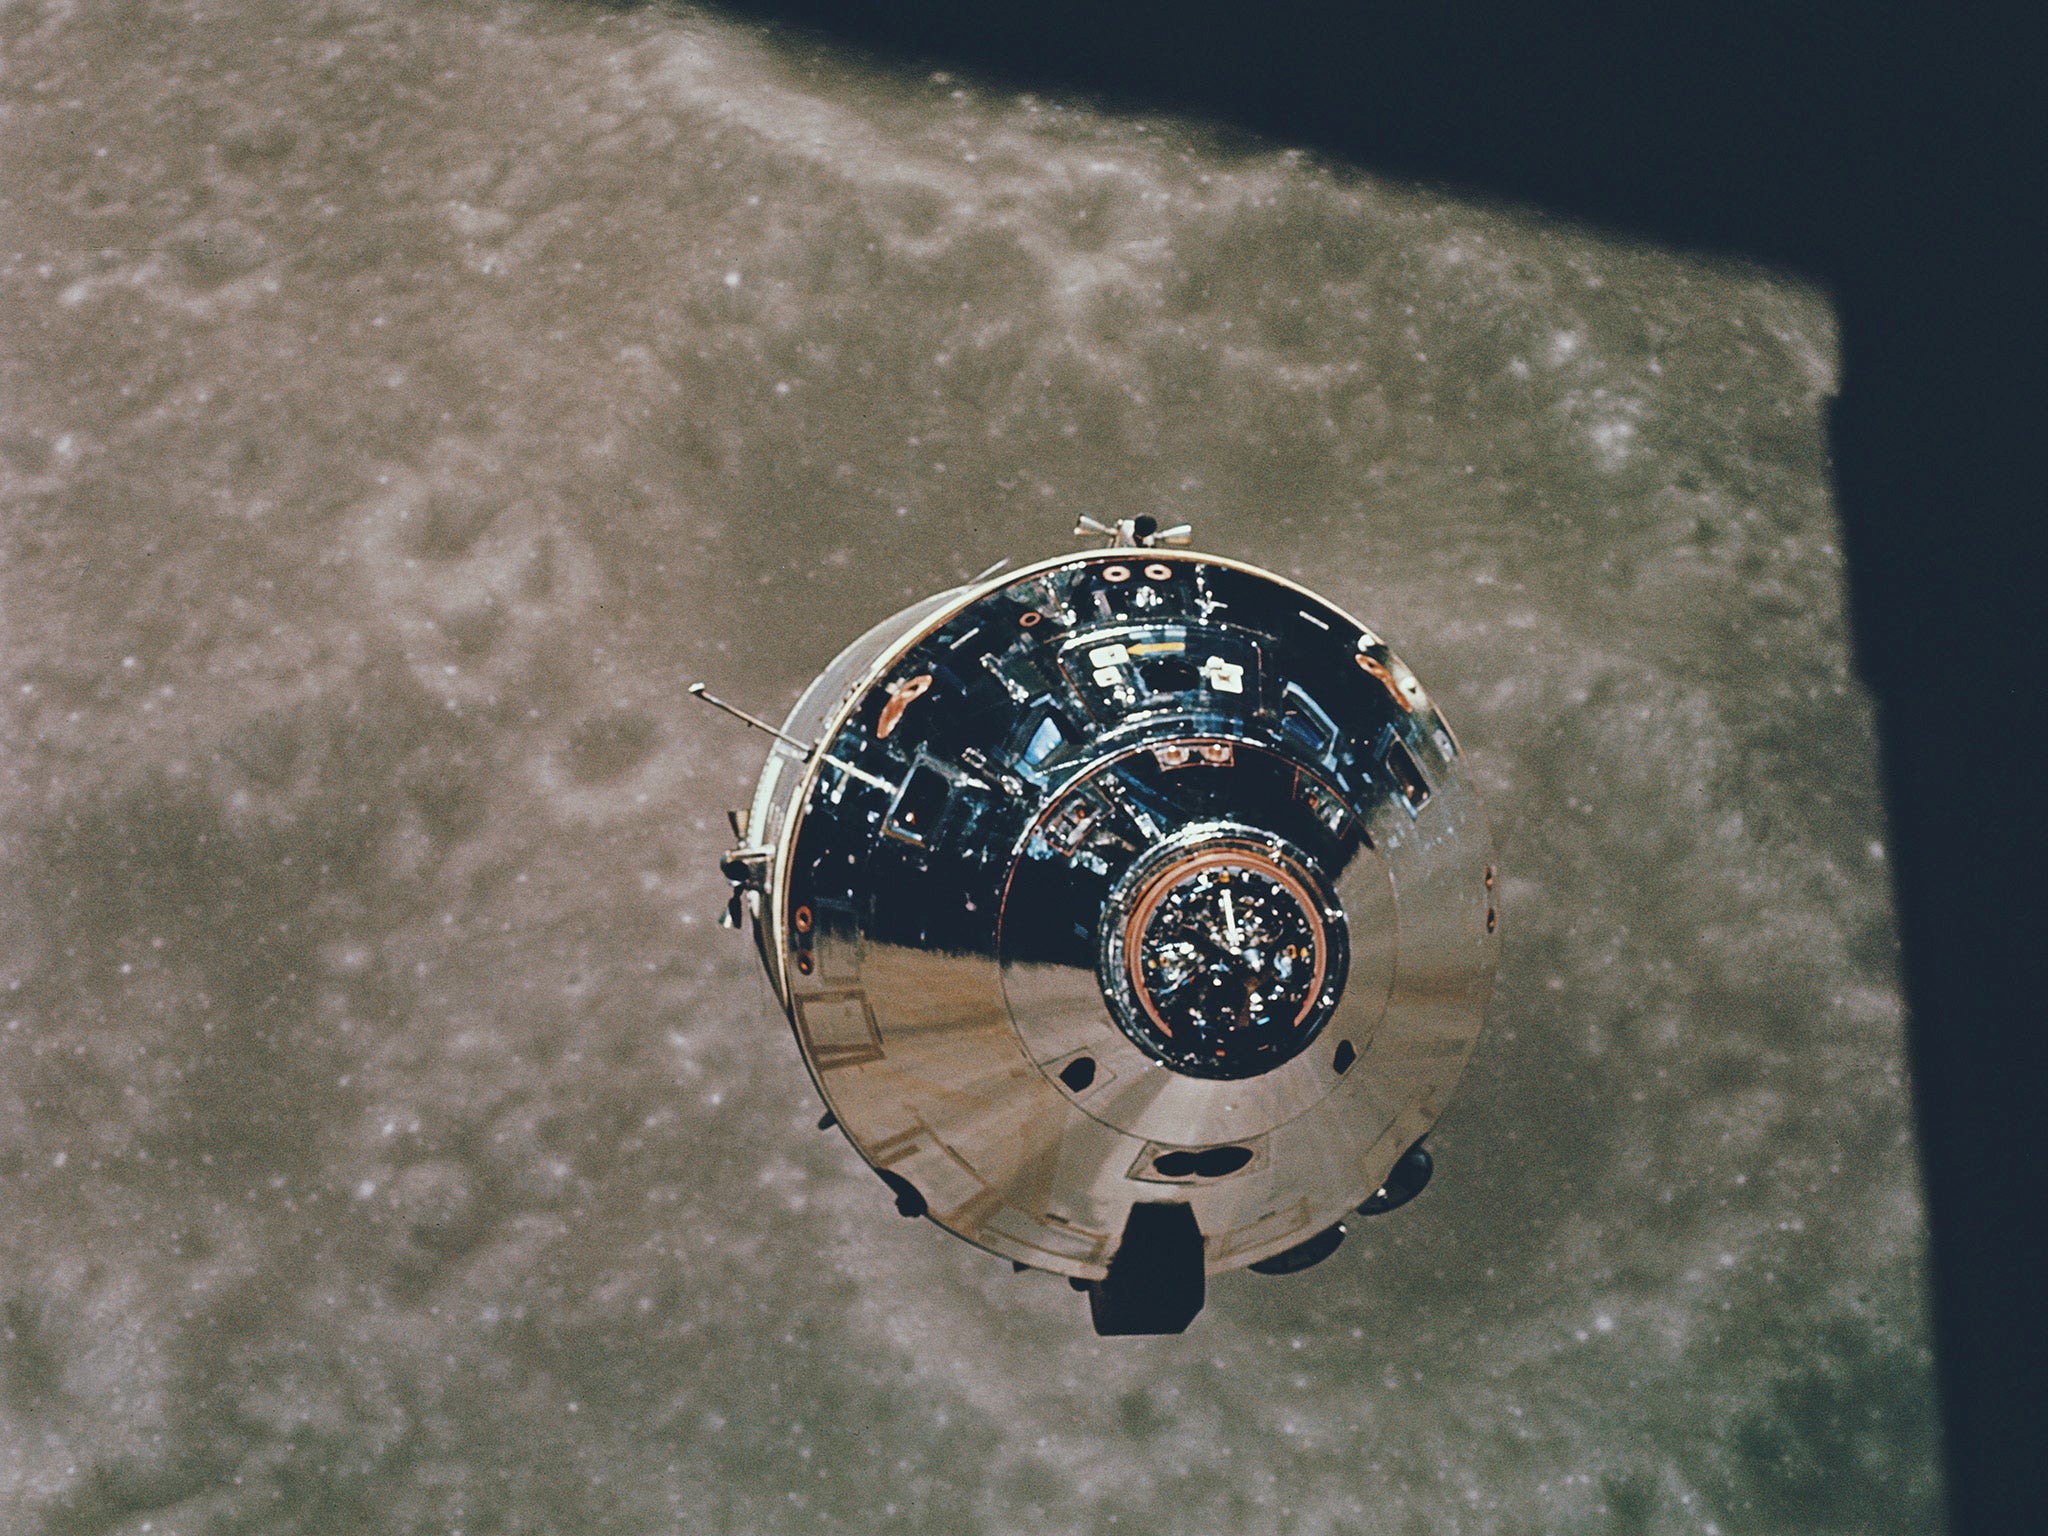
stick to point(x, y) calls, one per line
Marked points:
point(939, 889)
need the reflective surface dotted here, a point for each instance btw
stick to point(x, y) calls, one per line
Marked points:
point(1048, 789)
point(1223, 956)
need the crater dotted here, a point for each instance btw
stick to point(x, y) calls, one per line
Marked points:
point(607, 745)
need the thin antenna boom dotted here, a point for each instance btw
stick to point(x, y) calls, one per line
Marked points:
point(808, 748)
point(700, 691)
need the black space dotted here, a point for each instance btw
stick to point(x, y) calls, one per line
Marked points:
point(1878, 150)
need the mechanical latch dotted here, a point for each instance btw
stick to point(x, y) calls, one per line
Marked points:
point(747, 869)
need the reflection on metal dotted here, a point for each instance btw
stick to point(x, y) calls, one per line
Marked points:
point(1150, 942)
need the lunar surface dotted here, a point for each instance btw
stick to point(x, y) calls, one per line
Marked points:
point(400, 403)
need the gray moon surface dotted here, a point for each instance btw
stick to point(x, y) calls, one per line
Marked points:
point(400, 403)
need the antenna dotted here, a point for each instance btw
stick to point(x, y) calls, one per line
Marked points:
point(1132, 532)
point(808, 748)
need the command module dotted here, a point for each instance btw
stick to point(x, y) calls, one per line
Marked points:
point(1132, 914)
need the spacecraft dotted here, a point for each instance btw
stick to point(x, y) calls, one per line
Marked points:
point(1132, 911)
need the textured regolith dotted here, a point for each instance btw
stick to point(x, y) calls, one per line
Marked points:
point(399, 403)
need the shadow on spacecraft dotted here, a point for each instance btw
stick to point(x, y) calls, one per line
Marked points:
point(1132, 915)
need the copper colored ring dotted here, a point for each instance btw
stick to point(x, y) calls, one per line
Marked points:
point(1237, 856)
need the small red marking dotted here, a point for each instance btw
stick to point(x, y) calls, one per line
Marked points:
point(901, 695)
point(1378, 669)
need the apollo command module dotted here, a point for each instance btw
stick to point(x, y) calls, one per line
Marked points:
point(1133, 914)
